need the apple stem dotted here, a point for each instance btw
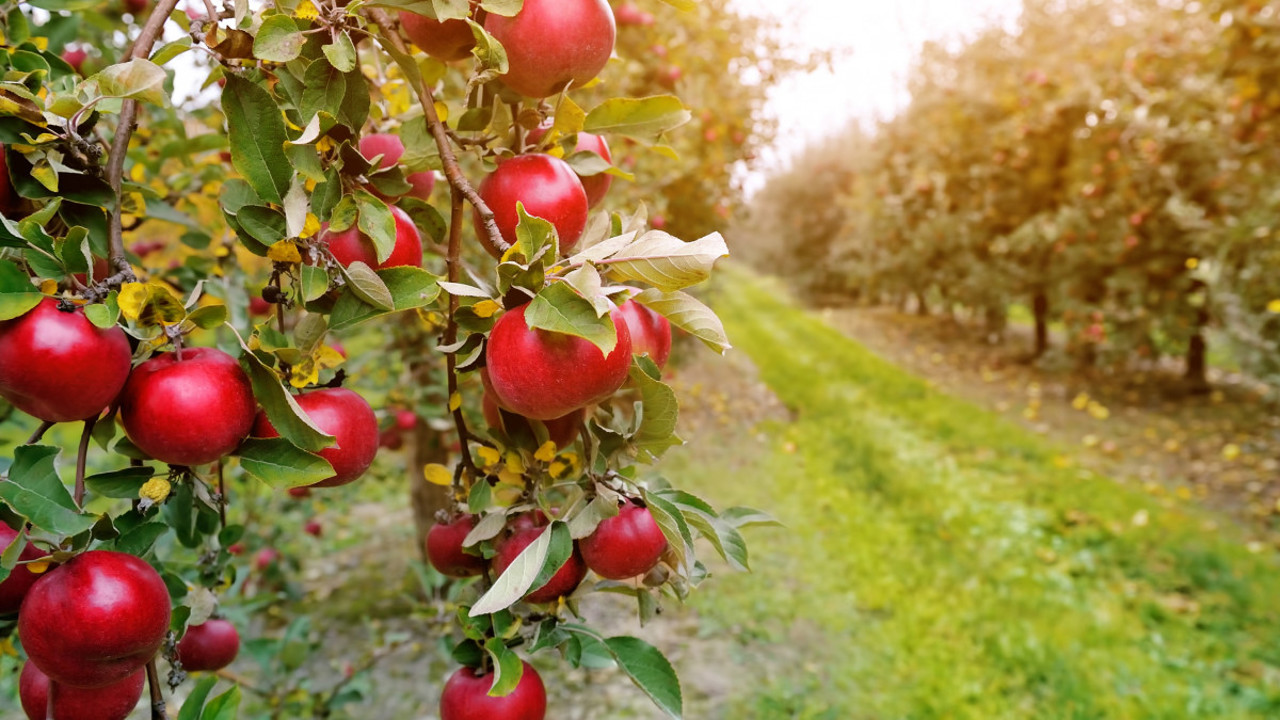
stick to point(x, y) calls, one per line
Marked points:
point(39, 433)
point(518, 141)
point(157, 695)
point(81, 456)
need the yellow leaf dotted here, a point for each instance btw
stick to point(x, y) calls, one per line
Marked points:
point(1231, 452)
point(284, 251)
point(311, 227)
point(455, 401)
point(306, 10)
point(38, 567)
point(559, 469)
point(49, 287)
point(7, 648)
point(546, 453)
point(131, 299)
point(488, 456)
point(437, 474)
point(515, 463)
point(1273, 307)
point(486, 308)
point(1081, 401)
point(1193, 263)
point(510, 478)
point(138, 172)
point(443, 111)
point(324, 144)
point(156, 490)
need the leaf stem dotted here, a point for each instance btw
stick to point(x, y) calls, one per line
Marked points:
point(81, 455)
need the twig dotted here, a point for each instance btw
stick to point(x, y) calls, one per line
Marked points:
point(39, 433)
point(454, 262)
point(452, 170)
point(242, 682)
point(157, 696)
point(222, 498)
point(81, 455)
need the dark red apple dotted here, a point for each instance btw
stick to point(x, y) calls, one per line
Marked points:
point(95, 620)
point(387, 145)
point(313, 528)
point(548, 188)
point(259, 307)
point(58, 366)
point(112, 702)
point(391, 439)
point(136, 7)
point(352, 245)
point(630, 15)
point(448, 41)
point(422, 183)
point(562, 431)
point(552, 43)
point(444, 548)
point(212, 645)
point(406, 419)
point(15, 587)
point(265, 558)
point(564, 582)
point(650, 332)
point(349, 419)
point(299, 492)
point(75, 57)
point(546, 375)
point(191, 410)
point(466, 697)
point(596, 186)
point(626, 545)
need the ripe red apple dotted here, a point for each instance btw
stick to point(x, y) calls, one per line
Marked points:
point(236, 548)
point(313, 528)
point(75, 57)
point(188, 411)
point(406, 419)
point(344, 415)
point(112, 702)
point(444, 548)
point(552, 43)
point(546, 375)
point(299, 492)
point(596, 186)
point(448, 41)
point(650, 332)
point(658, 222)
point(422, 183)
point(387, 145)
point(212, 645)
point(96, 619)
point(58, 366)
point(630, 15)
point(352, 245)
point(562, 431)
point(136, 7)
point(466, 697)
point(265, 558)
point(670, 75)
point(259, 307)
point(391, 439)
point(15, 587)
point(564, 582)
point(549, 189)
point(624, 546)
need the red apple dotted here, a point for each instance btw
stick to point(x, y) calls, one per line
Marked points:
point(546, 375)
point(236, 548)
point(596, 186)
point(406, 419)
point(552, 43)
point(112, 702)
point(548, 188)
point(564, 582)
point(58, 366)
point(422, 183)
point(259, 307)
point(387, 145)
point(626, 545)
point(444, 548)
point(15, 587)
point(265, 558)
point(466, 697)
point(136, 7)
point(448, 41)
point(391, 439)
point(344, 415)
point(630, 15)
point(191, 410)
point(212, 645)
point(95, 620)
point(562, 431)
point(313, 528)
point(650, 332)
point(352, 245)
point(658, 222)
point(75, 57)
point(299, 492)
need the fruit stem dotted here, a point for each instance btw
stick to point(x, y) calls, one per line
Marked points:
point(81, 455)
point(39, 433)
point(157, 696)
point(518, 141)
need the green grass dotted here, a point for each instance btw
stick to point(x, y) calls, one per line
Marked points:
point(942, 564)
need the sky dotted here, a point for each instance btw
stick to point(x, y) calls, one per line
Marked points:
point(880, 36)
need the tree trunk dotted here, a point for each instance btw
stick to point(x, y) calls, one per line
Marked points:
point(922, 305)
point(1040, 308)
point(426, 447)
point(1197, 375)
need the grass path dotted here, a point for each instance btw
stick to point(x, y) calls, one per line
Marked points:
point(938, 563)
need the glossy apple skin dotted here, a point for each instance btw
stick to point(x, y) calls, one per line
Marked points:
point(15, 587)
point(191, 411)
point(551, 43)
point(96, 619)
point(422, 183)
point(387, 145)
point(352, 245)
point(212, 645)
point(75, 57)
point(58, 366)
point(549, 189)
point(627, 15)
point(444, 548)
point(596, 186)
point(562, 431)
point(113, 702)
point(466, 697)
point(624, 546)
point(650, 332)
point(564, 582)
point(544, 375)
point(349, 419)
point(448, 41)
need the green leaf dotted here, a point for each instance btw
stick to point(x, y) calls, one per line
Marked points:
point(650, 671)
point(532, 568)
point(194, 703)
point(341, 53)
point(257, 135)
point(278, 40)
point(689, 314)
point(410, 288)
point(141, 539)
point(365, 284)
point(666, 262)
point(224, 707)
point(559, 309)
point(17, 294)
point(136, 79)
point(643, 119)
point(120, 484)
point(377, 223)
point(661, 411)
point(281, 464)
point(208, 317)
point(508, 667)
point(282, 410)
point(723, 536)
point(673, 525)
point(324, 90)
point(35, 492)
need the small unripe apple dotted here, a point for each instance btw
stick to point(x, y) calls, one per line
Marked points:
point(15, 587)
point(650, 332)
point(112, 702)
point(466, 697)
point(552, 43)
point(95, 620)
point(444, 548)
point(547, 187)
point(547, 375)
point(564, 582)
point(351, 245)
point(188, 410)
point(211, 645)
point(448, 41)
point(624, 546)
point(349, 419)
point(58, 366)
point(562, 431)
